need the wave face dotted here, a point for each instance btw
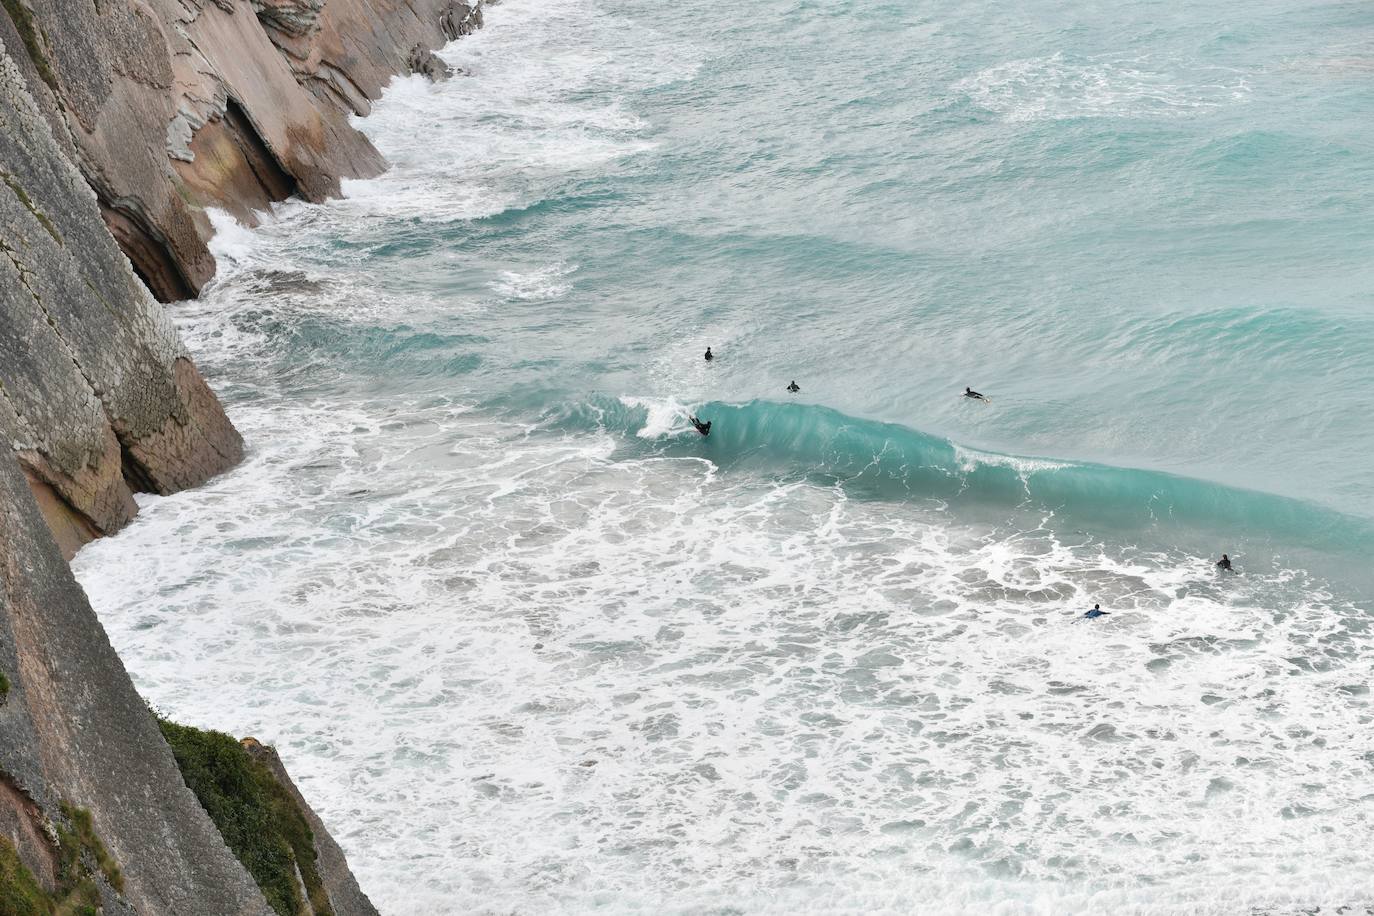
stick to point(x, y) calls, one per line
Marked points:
point(886, 460)
point(542, 648)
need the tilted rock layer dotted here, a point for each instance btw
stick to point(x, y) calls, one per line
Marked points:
point(97, 393)
point(169, 106)
point(74, 735)
point(121, 122)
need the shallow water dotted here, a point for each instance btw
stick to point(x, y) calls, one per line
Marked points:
point(532, 645)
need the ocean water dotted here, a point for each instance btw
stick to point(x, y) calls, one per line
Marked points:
point(531, 645)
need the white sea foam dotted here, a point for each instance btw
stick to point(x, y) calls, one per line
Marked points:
point(1056, 88)
point(663, 416)
point(521, 670)
point(572, 679)
point(969, 459)
point(548, 282)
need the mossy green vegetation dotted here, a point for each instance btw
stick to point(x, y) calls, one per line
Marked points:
point(260, 822)
point(20, 893)
point(78, 839)
point(4, 687)
point(77, 893)
point(28, 32)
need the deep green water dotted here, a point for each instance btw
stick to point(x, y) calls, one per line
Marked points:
point(507, 609)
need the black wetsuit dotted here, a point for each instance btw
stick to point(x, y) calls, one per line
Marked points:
point(794, 387)
point(1095, 613)
point(709, 355)
point(1224, 563)
point(703, 428)
point(970, 393)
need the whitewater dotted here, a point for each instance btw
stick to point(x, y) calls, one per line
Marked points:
point(532, 645)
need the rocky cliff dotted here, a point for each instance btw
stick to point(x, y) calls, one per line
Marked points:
point(75, 735)
point(120, 123)
point(96, 392)
point(94, 806)
point(169, 106)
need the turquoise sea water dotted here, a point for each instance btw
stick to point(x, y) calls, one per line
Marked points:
point(534, 645)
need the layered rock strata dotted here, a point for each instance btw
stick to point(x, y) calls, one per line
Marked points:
point(120, 123)
point(97, 393)
point(124, 121)
point(170, 106)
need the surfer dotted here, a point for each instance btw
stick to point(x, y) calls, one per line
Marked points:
point(703, 428)
point(970, 393)
point(794, 387)
point(1225, 563)
point(1095, 613)
point(709, 355)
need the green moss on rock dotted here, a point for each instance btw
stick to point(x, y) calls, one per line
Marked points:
point(28, 32)
point(77, 893)
point(258, 819)
point(20, 893)
point(78, 840)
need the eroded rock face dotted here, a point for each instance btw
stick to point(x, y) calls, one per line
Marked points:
point(119, 123)
point(162, 108)
point(356, 46)
point(428, 64)
point(170, 106)
point(73, 730)
point(131, 84)
point(295, 18)
point(106, 77)
point(97, 393)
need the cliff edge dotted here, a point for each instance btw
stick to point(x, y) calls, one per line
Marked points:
point(97, 394)
point(171, 106)
point(120, 123)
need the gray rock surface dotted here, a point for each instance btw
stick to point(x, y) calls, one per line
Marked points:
point(73, 729)
point(120, 122)
point(356, 46)
point(429, 64)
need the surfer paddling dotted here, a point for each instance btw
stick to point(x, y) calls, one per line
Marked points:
point(1095, 613)
point(703, 428)
point(794, 387)
point(973, 395)
point(1224, 564)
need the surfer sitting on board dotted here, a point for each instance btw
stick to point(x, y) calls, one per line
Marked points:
point(1225, 563)
point(970, 393)
point(794, 387)
point(703, 428)
point(1095, 613)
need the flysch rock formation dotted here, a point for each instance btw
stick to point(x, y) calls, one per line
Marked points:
point(164, 108)
point(97, 394)
point(170, 106)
